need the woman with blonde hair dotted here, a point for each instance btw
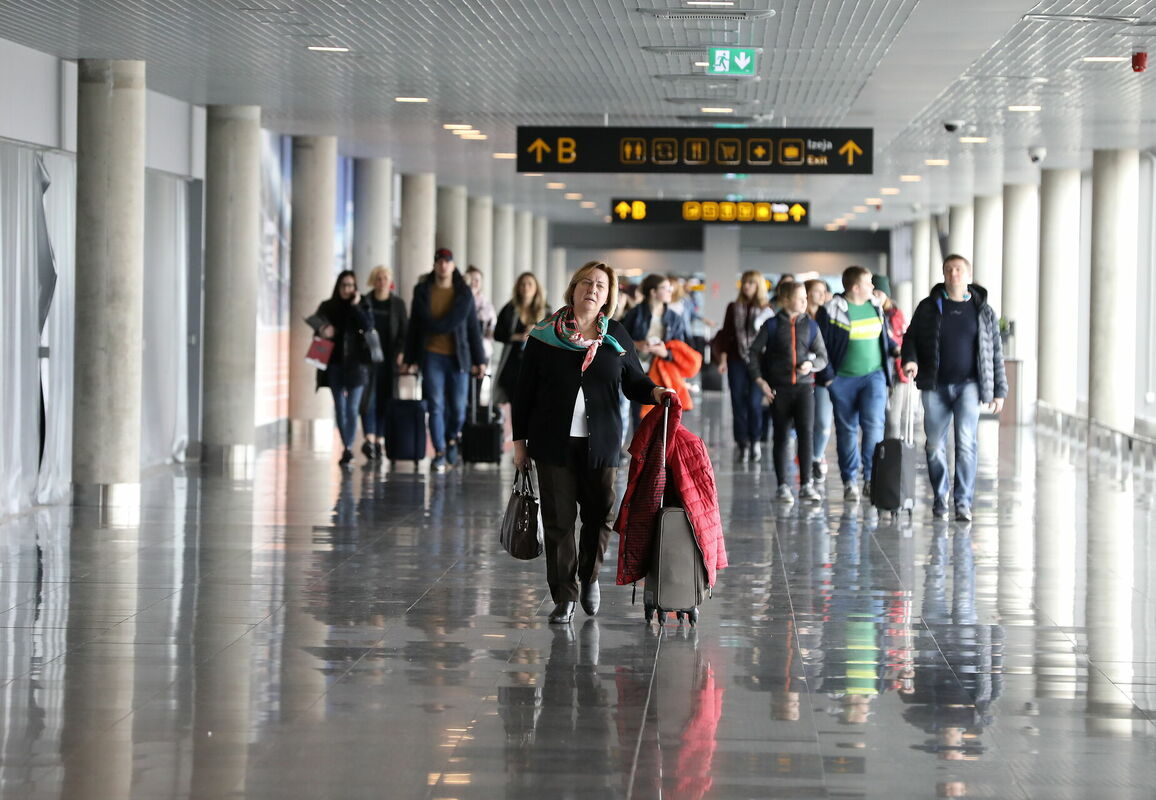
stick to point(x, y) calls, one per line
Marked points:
point(517, 317)
point(575, 365)
point(389, 320)
point(741, 325)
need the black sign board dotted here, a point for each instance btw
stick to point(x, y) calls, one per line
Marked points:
point(724, 212)
point(817, 151)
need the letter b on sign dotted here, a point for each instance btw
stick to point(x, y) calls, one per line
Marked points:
point(567, 150)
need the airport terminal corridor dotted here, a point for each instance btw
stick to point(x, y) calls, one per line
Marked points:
point(306, 631)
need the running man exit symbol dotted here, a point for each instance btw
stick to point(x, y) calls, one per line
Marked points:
point(731, 61)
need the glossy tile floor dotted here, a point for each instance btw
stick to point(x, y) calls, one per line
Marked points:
point(314, 634)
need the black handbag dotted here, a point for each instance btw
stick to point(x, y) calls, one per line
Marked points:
point(521, 534)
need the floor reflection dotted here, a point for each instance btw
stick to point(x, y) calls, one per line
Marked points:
point(317, 633)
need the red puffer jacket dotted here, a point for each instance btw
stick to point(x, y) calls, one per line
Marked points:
point(693, 480)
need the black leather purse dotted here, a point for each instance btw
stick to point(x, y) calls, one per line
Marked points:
point(521, 534)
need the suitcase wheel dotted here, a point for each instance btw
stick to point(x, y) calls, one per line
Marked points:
point(679, 616)
point(692, 616)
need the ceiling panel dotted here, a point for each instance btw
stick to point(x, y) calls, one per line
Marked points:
point(900, 66)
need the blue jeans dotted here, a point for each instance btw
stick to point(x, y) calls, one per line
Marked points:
point(942, 405)
point(746, 403)
point(346, 405)
point(824, 417)
point(859, 402)
point(445, 389)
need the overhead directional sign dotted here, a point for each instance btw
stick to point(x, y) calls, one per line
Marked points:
point(731, 61)
point(818, 151)
point(727, 212)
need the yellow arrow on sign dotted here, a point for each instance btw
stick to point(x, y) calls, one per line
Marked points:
point(537, 148)
point(622, 210)
point(850, 149)
point(797, 211)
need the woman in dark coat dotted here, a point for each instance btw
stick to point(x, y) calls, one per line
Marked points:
point(389, 319)
point(515, 320)
point(576, 363)
point(344, 319)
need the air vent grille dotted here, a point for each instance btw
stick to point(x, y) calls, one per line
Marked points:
point(737, 15)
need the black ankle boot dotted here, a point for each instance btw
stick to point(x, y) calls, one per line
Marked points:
point(591, 597)
point(563, 612)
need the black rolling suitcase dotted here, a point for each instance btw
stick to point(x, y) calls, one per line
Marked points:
point(405, 427)
point(482, 434)
point(893, 464)
point(676, 578)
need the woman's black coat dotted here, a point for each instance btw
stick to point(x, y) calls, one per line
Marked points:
point(350, 357)
point(548, 383)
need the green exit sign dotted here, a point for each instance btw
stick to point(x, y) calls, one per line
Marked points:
point(731, 61)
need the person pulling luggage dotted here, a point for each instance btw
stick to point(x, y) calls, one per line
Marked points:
point(784, 357)
point(575, 366)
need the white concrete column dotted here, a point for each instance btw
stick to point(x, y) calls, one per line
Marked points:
point(935, 252)
point(1021, 285)
point(311, 277)
point(961, 231)
point(559, 276)
point(1059, 331)
point(722, 264)
point(920, 258)
point(372, 216)
point(418, 238)
point(480, 242)
point(524, 246)
point(232, 258)
point(542, 259)
point(110, 196)
point(988, 248)
point(1115, 232)
point(504, 267)
point(904, 298)
point(452, 218)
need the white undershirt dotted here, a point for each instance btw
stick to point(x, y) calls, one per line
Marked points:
point(578, 425)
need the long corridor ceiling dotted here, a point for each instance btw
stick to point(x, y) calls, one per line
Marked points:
point(902, 67)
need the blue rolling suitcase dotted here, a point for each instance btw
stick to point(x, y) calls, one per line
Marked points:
point(405, 426)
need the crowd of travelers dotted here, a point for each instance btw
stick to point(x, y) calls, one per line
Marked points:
point(799, 361)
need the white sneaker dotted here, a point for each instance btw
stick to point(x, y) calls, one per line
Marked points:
point(807, 492)
point(784, 494)
point(851, 493)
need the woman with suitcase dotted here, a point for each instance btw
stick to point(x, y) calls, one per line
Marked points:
point(389, 318)
point(576, 363)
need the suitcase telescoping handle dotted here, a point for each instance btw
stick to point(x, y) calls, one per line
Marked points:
point(476, 397)
point(909, 395)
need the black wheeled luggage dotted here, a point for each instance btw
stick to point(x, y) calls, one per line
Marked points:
point(405, 426)
point(482, 434)
point(676, 578)
point(893, 464)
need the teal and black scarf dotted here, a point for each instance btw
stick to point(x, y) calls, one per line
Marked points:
point(560, 329)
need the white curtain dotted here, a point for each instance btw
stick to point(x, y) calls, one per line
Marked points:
point(56, 369)
point(165, 374)
point(20, 198)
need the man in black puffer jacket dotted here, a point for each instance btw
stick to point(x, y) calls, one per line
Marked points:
point(953, 351)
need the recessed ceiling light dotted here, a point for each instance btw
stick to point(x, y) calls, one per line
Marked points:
point(533, 174)
point(937, 162)
point(717, 110)
point(702, 63)
point(573, 195)
point(475, 137)
point(910, 178)
point(453, 126)
point(832, 226)
point(588, 204)
point(322, 48)
point(888, 190)
point(874, 201)
point(606, 218)
point(973, 139)
point(506, 155)
point(1104, 59)
point(411, 99)
point(1079, 18)
point(1025, 108)
point(555, 185)
point(710, 3)
point(465, 131)
point(859, 209)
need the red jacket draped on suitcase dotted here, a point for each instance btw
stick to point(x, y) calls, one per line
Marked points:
point(693, 476)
